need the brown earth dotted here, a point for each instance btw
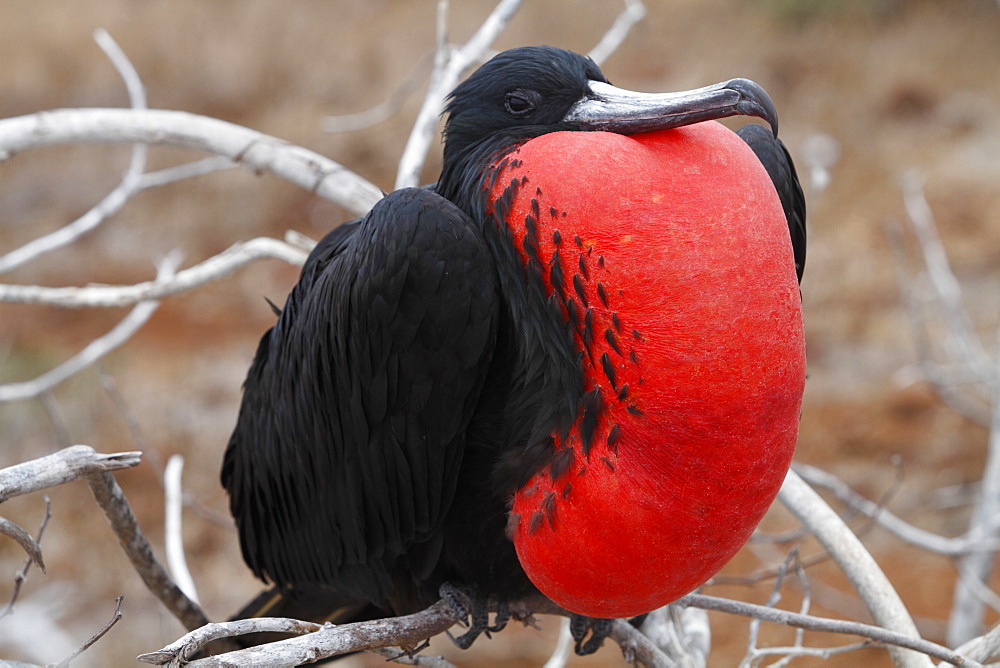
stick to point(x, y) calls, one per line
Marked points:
point(900, 85)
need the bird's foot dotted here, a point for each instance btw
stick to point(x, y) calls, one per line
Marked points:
point(599, 629)
point(472, 608)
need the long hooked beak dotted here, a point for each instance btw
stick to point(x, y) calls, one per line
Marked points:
point(627, 112)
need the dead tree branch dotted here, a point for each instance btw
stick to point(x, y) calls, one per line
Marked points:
point(95, 350)
point(59, 468)
point(203, 273)
point(119, 514)
point(24, 539)
point(811, 623)
point(254, 150)
point(634, 12)
point(408, 631)
point(191, 643)
point(855, 562)
point(114, 200)
point(448, 67)
point(115, 618)
point(898, 527)
point(22, 575)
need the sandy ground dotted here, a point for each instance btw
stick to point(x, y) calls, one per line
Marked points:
point(897, 85)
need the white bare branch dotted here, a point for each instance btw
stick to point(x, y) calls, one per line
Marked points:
point(212, 269)
point(254, 150)
point(682, 632)
point(634, 12)
point(962, 350)
point(59, 468)
point(855, 562)
point(95, 350)
point(325, 642)
point(118, 512)
point(114, 200)
point(899, 644)
point(443, 80)
point(963, 343)
point(967, 615)
point(191, 643)
point(22, 575)
point(188, 170)
point(383, 111)
point(985, 649)
point(926, 540)
point(173, 529)
point(564, 645)
point(24, 539)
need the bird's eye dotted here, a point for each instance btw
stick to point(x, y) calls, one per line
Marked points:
point(520, 102)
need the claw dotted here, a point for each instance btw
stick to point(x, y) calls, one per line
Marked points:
point(503, 616)
point(599, 629)
point(454, 596)
point(472, 608)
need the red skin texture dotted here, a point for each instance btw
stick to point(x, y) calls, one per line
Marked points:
point(685, 233)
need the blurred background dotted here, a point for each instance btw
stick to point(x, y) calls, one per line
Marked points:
point(877, 88)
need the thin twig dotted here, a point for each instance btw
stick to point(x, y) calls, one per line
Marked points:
point(114, 200)
point(22, 575)
point(903, 530)
point(812, 623)
point(967, 615)
point(402, 657)
point(946, 378)
point(95, 350)
point(384, 111)
point(173, 529)
point(443, 79)
point(212, 269)
point(152, 454)
point(985, 649)
point(115, 618)
point(59, 424)
point(947, 289)
point(633, 13)
point(188, 170)
point(24, 539)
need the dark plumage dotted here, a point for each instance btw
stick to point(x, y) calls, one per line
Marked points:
point(419, 369)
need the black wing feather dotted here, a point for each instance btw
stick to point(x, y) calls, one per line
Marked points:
point(774, 156)
point(352, 427)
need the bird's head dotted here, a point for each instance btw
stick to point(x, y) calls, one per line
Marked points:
point(530, 91)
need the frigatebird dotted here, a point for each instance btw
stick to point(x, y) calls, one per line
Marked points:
point(574, 364)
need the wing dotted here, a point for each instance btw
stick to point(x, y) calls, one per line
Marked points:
point(774, 156)
point(351, 431)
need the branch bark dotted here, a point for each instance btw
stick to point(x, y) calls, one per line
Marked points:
point(212, 269)
point(254, 150)
point(119, 514)
point(59, 468)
